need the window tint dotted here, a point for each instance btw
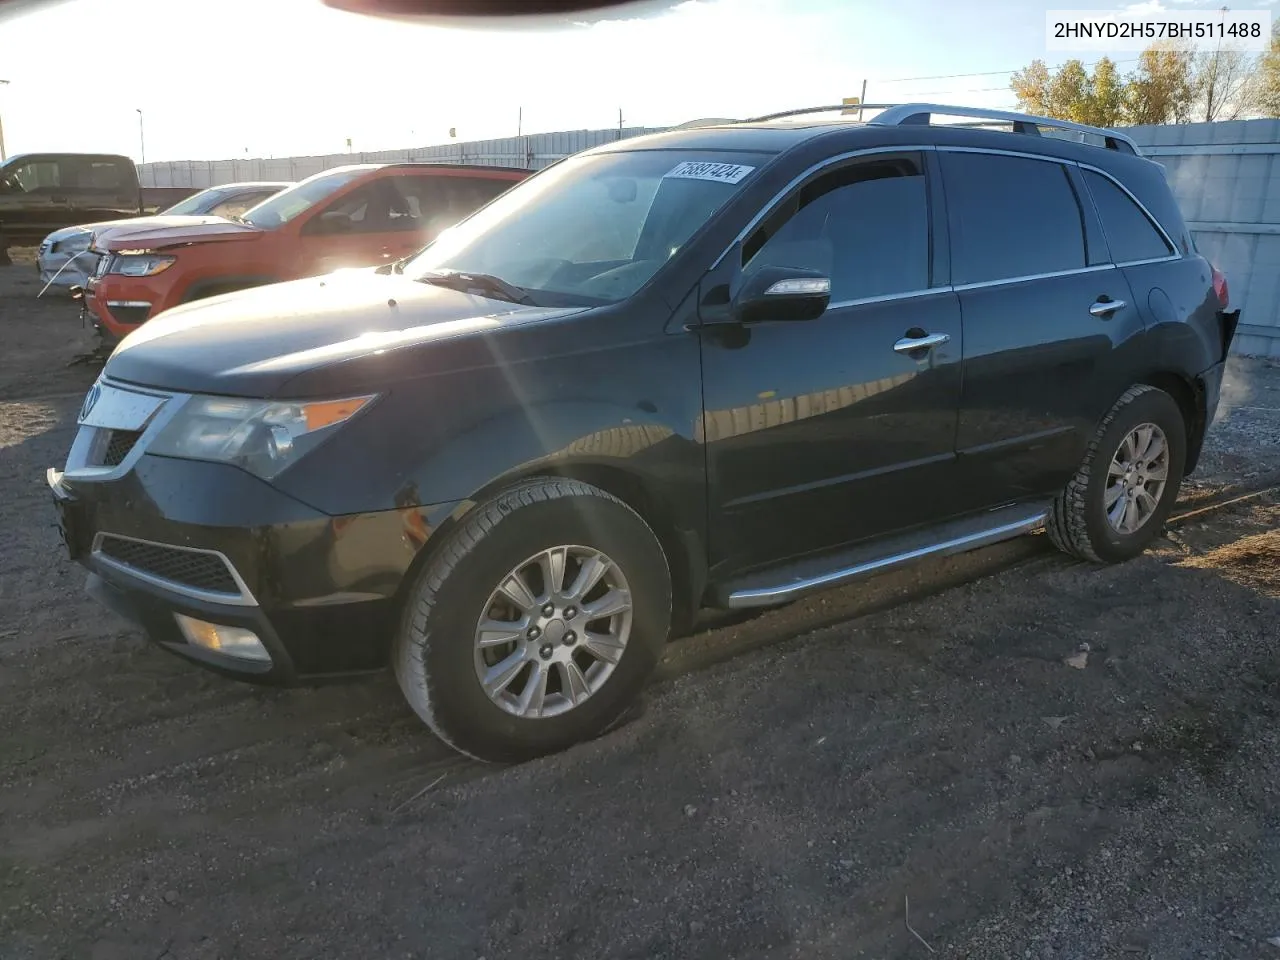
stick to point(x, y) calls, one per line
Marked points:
point(30, 177)
point(363, 210)
point(866, 227)
point(1010, 217)
point(101, 175)
point(429, 204)
point(1130, 235)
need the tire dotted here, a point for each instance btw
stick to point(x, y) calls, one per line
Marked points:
point(436, 657)
point(1078, 523)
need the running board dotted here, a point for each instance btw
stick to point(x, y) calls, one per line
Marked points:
point(772, 587)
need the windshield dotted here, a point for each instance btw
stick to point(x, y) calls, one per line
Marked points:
point(592, 229)
point(297, 200)
point(196, 203)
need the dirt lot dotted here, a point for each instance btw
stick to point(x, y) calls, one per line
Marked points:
point(1042, 758)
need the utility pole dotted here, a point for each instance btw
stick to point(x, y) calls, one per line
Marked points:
point(861, 100)
point(520, 123)
point(3, 83)
point(619, 123)
point(142, 137)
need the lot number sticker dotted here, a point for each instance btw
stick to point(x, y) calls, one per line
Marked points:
point(720, 172)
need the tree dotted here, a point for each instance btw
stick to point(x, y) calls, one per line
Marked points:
point(1267, 91)
point(1162, 89)
point(1225, 84)
point(1071, 93)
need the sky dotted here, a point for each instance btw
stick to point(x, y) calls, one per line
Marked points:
point(278, 78)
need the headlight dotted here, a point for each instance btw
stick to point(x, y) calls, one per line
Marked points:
point(262, 436)
point(140, 265)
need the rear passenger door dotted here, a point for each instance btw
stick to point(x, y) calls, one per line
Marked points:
point(1049, 322)
point(101, 188)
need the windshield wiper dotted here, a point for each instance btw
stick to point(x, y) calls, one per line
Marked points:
point(484, 283)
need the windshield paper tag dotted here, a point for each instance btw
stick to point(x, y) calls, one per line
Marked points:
point(720, 172)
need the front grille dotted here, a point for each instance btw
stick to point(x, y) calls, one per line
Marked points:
point(190, 568)
point(119, 445)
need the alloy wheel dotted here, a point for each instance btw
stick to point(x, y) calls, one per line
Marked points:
point(1136, 478)
point(553, 631)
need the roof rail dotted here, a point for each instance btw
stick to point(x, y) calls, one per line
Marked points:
point(706, 122)
point(904, 114)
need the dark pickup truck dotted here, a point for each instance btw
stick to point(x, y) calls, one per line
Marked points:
point(43, 192)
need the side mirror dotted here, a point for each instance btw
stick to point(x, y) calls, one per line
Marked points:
point(782, 293)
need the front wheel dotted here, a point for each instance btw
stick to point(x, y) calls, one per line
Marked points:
point(537, 623)
point(1119, 499)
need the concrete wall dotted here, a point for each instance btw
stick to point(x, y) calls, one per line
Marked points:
point(1226, 177)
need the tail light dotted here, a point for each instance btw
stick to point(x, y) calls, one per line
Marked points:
point(1220, 288)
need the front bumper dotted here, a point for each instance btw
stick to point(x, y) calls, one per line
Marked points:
point(320, 592)
point(120, 305)
point(60, 271)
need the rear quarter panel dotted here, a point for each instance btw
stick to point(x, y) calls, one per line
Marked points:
point(1181, 310)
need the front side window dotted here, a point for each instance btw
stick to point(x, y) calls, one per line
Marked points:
point(30, 177)
point(363, 210)
point(596, 228)
point(865, 226)
point(1010, 217)
point(1130, 234)
point(290, 204)
point(431, 204)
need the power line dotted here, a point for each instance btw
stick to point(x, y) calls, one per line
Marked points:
point(989, 73)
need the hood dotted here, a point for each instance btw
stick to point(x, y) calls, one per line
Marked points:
point(355, 325)
point(151, 233)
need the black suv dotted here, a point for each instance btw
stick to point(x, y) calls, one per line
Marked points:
point(714, 367)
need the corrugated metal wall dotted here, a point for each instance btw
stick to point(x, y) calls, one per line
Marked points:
point(1226, 177)
point(532, 152)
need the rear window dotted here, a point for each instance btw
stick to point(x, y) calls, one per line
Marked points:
point(1010, 217)
point(1130, 233)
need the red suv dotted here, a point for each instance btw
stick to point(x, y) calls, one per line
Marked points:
point(353, 216)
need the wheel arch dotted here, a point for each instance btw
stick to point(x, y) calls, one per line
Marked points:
point(1189, 396)
point(684, 548)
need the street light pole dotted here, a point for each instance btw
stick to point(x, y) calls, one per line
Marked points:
point(142, 139)
point(4, 83)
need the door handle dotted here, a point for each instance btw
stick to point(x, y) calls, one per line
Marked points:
point(926, 342)
point(1105, 307)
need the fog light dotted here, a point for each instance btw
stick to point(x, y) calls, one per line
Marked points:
point(231, 641)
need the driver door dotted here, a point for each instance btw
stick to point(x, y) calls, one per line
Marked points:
point(351, 230)
point(825, 432)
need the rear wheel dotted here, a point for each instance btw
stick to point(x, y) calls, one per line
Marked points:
point(537, 623)
point(1118, 501)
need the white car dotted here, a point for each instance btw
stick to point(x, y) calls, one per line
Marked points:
point(64, 258)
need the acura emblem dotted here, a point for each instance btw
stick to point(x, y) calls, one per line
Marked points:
point(92, 398)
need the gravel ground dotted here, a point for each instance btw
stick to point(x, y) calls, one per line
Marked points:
point(1041, 758)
